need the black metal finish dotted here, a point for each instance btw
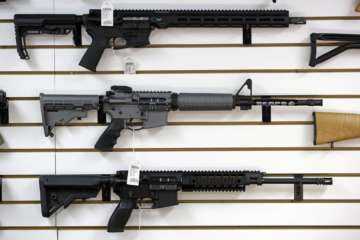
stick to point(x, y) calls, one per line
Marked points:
point(266, 102)
point(161, 187)
point(298, 188)
point(132, 28)
point(345, 41)
point(4, 108)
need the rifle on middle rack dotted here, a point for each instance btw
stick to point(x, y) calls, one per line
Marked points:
point(150, 108)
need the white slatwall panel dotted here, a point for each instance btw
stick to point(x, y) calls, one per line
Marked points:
point(160, 59)
point(214, 234)
point(18, 84)
point(200, 215)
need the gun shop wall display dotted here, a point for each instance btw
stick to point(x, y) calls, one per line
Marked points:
point(166, 119)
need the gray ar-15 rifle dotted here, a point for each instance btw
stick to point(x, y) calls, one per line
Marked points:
point(151, 108)
point(161, 187)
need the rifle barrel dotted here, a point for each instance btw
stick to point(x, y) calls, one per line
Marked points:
point(316, 181)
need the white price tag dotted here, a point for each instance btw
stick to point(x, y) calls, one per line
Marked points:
point(133, 177)
point(107, 14)
point(129, 66)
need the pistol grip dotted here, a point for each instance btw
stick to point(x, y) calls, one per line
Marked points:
point(109, 137)
point(121, 215)
point(93, 54)
point(20, 38)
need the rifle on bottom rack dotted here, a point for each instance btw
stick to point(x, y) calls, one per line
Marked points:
point(161, 187)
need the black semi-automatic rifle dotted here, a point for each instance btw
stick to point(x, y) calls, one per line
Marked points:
point(132, 28)
point(4, 111)
point(161, 187)
point(150, 108)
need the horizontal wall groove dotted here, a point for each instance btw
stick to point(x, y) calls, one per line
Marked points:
point(206, 201)
point(199, 227)
point(186, 71)
point(178, 149)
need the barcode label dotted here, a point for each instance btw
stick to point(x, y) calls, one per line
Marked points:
point(133, 177)
point(107, 14)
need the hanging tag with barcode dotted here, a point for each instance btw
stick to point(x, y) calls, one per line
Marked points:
point(107, 14)
point(129, 66)
point(133, 177)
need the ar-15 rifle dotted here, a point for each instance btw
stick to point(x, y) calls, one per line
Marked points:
point(161, 187)
point(132, 28)
point(151, 108)
point(4, 111)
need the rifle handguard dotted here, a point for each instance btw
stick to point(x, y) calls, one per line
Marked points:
point(205, 101)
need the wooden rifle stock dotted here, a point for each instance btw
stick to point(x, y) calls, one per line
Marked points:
point(334, 127)
point(358, 7)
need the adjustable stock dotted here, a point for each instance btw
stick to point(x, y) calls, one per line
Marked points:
point(121, 215)
point(345, 41)
point(56, 24)
point(61, 109)
point(109, 137)
point(60, 191)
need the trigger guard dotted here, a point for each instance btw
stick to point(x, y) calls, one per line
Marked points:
point(132, 128)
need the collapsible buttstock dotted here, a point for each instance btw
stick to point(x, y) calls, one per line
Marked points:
point(333, 127)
